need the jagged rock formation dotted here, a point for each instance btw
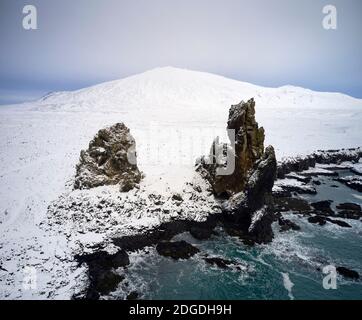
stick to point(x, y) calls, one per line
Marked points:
point(109, 160)
point(252, 210)
point(249, 185)
point(248, 148)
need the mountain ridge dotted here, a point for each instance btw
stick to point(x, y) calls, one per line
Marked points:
point(174, 85)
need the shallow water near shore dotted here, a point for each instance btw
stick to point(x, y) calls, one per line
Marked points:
point(288, 268)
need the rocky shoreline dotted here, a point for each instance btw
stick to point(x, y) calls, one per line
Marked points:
point(299, 164)
point(162, 236)
point(244, 204)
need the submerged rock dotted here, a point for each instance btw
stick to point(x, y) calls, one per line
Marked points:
point(219, 262)
point(298, 205)
point(348, 273)
point(286, 225)
point(323, 207)
point(132, 295)
point(321, 220)
point(349, 211)
point(317, 220)
point(110, 159)
point(340, 223)
point(176, 249)
point(349, 206)
point(201, 233)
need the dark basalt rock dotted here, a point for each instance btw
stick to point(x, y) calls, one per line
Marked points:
point(340, 223)
point(3, 269)
point(103, 259)
point(200, 233)
point(349, 206)
point(349, 214)
point(348, 273)
point(165, 232)
point(260, 183)
point(349, 211)
point(177, 197)
point(282, 193)
point(299, 189)
point(102, 277)
point(286, 225)
point(353, 182)
point(316, 182)
point(106, 281)
point(292, 204)
point(323, 207)
point(260, 230)
point(317, 220)
point(132, 296)
point(253, 209)
point(176, 249)
point(219, 262)
point(323, 220)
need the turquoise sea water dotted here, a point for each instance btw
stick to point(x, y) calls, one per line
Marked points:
point(288, 268)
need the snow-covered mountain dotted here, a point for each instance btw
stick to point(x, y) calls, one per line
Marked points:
point(173, 114)
point(167, 86)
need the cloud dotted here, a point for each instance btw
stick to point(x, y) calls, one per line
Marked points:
point(272, 43)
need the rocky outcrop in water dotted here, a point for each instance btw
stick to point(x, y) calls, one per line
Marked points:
point(299, 164)
point(348, 273)
point(349, 211)
point(176, 249)
point(110, 159)
point(353, 182)
point(249, 185)
point(101, 271)
point(248, 148)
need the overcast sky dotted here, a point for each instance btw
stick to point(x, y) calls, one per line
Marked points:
point(270, 42)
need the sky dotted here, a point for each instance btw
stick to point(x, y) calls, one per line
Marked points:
point(79, 43)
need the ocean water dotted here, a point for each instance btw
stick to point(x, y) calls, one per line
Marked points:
point(288, 268)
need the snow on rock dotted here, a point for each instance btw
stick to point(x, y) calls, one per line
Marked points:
point(93, 217)
point(318, 171)
point(174, 115)
point(293, 185)
point(357, 168)
point(109, 160)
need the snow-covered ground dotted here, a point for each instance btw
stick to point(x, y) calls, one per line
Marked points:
point(173, 114)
